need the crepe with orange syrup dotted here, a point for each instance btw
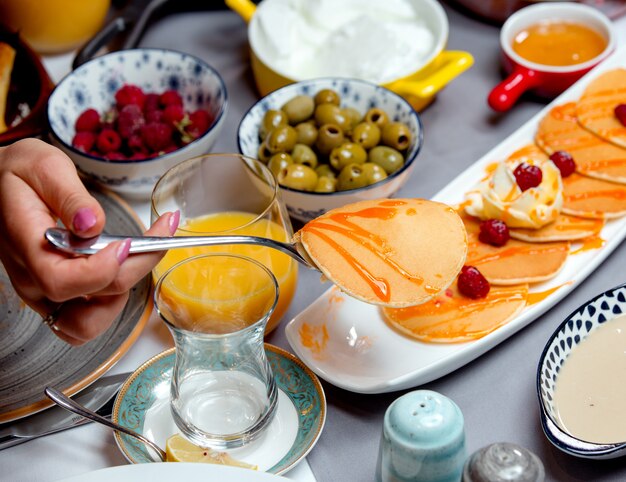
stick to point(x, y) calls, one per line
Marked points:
point(516, 262)
point(393, 252)
point(596, 108)
point(593, 198)
point(452, 317)
point(565, 228)
point(559, 130)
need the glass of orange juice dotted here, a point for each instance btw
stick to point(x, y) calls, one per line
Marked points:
point(228, 194)
point(223, 392)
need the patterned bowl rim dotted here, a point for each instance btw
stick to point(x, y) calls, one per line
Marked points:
point(412, 112)
point(555, 434)
point(218, 119)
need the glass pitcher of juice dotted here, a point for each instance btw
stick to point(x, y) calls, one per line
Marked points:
point(228, 194)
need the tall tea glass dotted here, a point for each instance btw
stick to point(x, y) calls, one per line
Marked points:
point(228, 194)
point(216, 306)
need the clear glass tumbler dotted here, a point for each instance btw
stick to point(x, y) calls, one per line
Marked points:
point(216, 306)
point(222, 194)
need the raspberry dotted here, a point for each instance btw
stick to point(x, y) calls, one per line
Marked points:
point(170, 97)
point(472, 283)
point(620, 113)
point(152, 103)
point(494, 232)
point(88, 120)
point(130, 120)
point(115, 156)
point(173, 113)
point(156, 135)
point(199, 122)
point(130, 94)
point(527, 176)
point(564, 161)
point(154, 116)
point(84, 141)
point(108, 140)
point(135, 144)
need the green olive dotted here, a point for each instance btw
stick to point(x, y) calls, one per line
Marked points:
point(353, 115)
point(279, 161)
point(386, 157)
point(373, 172)
point(298, 176)
point(303, 154)
point(366, 134)
point(329, 136)
point(347, 153)
point(307, 133)
point(299, 109)
point(324, 170)
point(271, 119)
point(264, 153)
point(331, 114)
point(326, 184)
point(351, 177)
point(281, 139)
point(327, 96)
point(396, 135)
point(377, 116)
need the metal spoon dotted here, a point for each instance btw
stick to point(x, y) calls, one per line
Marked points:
point(65, 241)
point(68, 404)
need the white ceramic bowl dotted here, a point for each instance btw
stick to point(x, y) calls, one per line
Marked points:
point(304, 205)
point(567, 336)
point(94, 84)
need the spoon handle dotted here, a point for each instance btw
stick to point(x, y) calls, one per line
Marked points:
point(67, 403)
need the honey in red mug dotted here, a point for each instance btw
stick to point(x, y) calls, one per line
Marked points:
point(548, 47)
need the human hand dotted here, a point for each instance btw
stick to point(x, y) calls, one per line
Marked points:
point(38, 186)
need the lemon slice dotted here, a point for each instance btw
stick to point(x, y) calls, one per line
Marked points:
point(179, 449)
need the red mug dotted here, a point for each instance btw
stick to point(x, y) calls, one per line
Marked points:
point(545, 80)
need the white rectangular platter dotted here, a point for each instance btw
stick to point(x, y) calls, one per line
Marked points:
point(347, 342)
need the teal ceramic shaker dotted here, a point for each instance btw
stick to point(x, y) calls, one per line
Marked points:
point(423, 440)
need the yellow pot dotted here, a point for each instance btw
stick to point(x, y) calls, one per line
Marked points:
point(418, 87)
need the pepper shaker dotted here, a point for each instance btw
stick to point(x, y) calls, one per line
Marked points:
point(503, 462)
point(423, 440)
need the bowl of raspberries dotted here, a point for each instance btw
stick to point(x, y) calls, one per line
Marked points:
point(126, 117)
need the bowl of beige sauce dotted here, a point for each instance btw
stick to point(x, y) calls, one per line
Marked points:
point(581, 379)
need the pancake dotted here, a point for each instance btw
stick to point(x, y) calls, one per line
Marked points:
point(517, 262)
point(565, 228)
point(453, 318)
point(392, 252)
point(559, 130)
point(595, 109)
point(593, 198)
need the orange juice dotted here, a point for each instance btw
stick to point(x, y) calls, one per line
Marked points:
point(559, 43)
point(284, 268)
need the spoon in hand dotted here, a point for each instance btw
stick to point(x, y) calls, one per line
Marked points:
point(67, 403)
point(65, 241)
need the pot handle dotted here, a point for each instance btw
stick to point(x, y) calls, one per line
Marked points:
point(506, 93)
point(452, 64)
point(245, 8)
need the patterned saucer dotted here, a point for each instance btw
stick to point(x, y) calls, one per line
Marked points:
point(143, 405)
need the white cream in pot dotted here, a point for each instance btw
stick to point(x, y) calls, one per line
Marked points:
point(373, 40)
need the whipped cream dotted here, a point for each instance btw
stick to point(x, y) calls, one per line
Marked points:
point(372, 40)
point(499, 196)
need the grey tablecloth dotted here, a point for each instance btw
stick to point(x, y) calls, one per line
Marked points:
point(495, 392)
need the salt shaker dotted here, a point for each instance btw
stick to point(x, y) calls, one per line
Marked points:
point(423, 440)
point(503, 462)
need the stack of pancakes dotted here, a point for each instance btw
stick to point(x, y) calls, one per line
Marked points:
point(588, 130)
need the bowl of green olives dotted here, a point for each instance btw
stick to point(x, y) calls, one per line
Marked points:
point(332, 141)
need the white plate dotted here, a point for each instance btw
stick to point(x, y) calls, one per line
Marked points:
point(347, 342)
point(174, 472)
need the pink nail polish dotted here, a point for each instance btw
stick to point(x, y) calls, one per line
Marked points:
point(84, 219)
point(174, 220)
point(123, 251)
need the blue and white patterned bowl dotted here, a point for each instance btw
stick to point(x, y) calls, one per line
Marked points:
point(94, 84)
point(361, 95)
point(570, 333)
